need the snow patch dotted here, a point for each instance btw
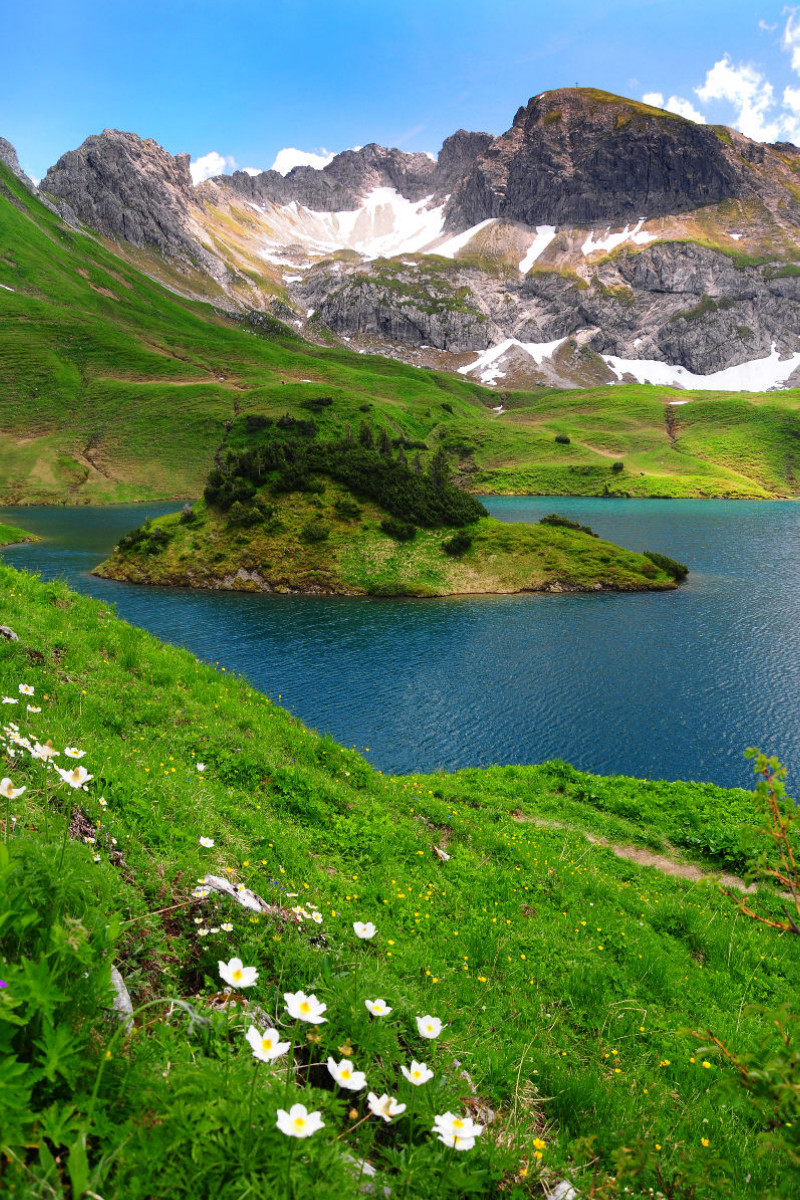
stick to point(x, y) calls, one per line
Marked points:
point(488, 363)
point(450, 248)
point(292, 278)
point(544, 236)
point(737, 237)
point(6, 288)
point(612, 240)
point(758, 375)
point(310, 313)
point(384, 226)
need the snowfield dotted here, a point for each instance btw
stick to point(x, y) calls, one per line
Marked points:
point(489, 362)
point(758, 375)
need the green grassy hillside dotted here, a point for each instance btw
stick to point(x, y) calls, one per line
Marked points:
point(114, 389)
point(568, 980)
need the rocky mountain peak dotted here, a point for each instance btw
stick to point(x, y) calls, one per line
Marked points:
point(129, 187)
point(8, 155)
point(579, 156)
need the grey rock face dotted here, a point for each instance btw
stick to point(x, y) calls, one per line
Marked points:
point(576, 157)
point(8, 155)
point(133, 189)
point(343, 183)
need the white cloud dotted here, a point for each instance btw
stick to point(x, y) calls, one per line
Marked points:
point(749, 92)
point(290, 157)
point(252, 170)
point(684, 108)
point(791, 38)
point(210, 164)
point(675, 104)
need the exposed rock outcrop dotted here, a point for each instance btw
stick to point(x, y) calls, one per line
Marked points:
point(132, 189)
point(577, 157)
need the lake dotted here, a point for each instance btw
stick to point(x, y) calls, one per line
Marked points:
point(671, 686)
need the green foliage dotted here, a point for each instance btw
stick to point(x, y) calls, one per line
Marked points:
point(457, 545)
point(562, 439)
point(317, 403)
point(314, 532)
point(428, 499)
point(565, 523)
point(347, 510)
point(401, 531)
point(616, 467)
point(677, 570)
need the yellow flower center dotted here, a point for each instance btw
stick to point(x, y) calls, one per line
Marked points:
point(237, 974)
point(458, 1124)
point(299, 1122)
point(305, 1007)
point(346, 1074)
point(416, 1074)
point(266, 1043)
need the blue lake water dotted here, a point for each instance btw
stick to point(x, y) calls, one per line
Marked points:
point(670, 686)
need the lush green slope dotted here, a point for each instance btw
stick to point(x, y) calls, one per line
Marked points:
point(113, 388)
point(567, 978)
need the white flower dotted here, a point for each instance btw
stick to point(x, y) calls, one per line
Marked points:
point(266, 1045)
point(364, 929)
point(201, 766)
point(305, 1008)
point(90, 841)
point(9, 700)
point(298, 1121)
point(207, 842)
point(76, 778)
point(442, 854)
point(316, 917)
point(44, 752)
point(418, 1073)
point(8, 791)
point(458, 1132)
point(25, 689)
point(103, 802)
point(429, 1027)
point(236, 974)
point(384, 1106)
point(73, 752)
point(200, 893)
point(34, 708)
point(202, 933)
point(345, 1076)
point(96, 857)
point(226, 925)
point(378, 1008)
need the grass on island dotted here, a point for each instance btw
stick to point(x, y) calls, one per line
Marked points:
point(10, 534)
point(114, 389)
point(567, 979)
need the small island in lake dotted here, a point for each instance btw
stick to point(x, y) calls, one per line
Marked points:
point(12, 535)
point(287, 511)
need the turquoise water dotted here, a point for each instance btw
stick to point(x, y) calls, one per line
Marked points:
point(672, 686)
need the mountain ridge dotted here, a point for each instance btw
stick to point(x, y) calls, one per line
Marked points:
point(647, 245)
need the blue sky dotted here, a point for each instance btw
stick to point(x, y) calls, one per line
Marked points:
point(243, 78)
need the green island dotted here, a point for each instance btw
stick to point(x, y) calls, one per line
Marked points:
point(115, 389)
point(11, 534)
point(610, 1026)
point(288, 511)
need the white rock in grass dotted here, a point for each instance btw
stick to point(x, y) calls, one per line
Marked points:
point(122, 1001)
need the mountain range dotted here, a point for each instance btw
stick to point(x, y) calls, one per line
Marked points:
point(597, 240)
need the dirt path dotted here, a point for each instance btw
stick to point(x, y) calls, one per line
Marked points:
point(647, 858)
